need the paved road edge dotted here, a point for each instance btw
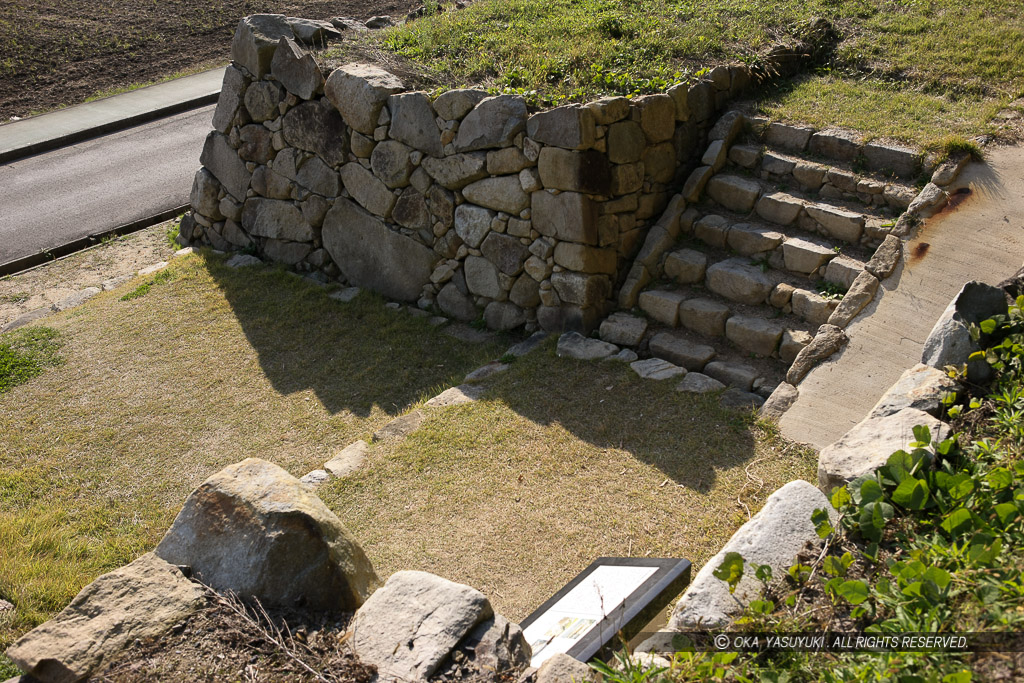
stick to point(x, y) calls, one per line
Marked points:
point(25, 262)
point(105, 128)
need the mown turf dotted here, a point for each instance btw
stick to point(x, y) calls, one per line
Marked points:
point(211, 366)
point(562, 461)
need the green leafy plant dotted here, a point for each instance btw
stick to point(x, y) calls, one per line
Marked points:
point(833, 291)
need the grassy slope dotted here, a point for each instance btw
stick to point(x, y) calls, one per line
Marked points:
point(159, 392)
point(965, 57)
point(212, 365)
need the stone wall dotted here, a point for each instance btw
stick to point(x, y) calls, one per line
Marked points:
point(467, 202)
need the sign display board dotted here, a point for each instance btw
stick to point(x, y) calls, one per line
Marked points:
point(612, 595)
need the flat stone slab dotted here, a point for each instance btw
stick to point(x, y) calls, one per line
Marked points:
point(348, 460)
point(921, 387)
point(656, 368)
point(140, 600)
point(528, 345)
point(76, 299)
point(345, 295)
point(737, 399)
point(575, 345)
point(400, 427)
point(485, 371)
point(697, 383)
point(243, 260)
point(407, 628)
point(679, 351)
point(26, 318)
point(773, 536)
point(868, 445)
point(623, 329)
point(456, 396)
point(734, 374)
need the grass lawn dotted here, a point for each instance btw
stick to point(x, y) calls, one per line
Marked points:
point(560, 462)
point(964, 57)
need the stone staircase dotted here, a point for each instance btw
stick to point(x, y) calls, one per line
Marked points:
point(780, 222)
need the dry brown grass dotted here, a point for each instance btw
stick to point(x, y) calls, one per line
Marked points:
point(561, 462)
point(159, 392)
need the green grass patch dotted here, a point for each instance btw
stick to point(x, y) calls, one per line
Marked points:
point(939, 65)
point(143, 289)
point(26, 353)
point(883, 109)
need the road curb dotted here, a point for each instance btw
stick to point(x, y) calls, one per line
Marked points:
point(27, 262)
point(105, 128)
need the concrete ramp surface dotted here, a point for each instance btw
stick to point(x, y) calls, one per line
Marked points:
point(979, 236)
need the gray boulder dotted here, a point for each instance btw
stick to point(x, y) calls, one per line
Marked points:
point(254, 529)
point(869, 444)
point(454, 104)
point(493, 123)
point(921, 387)
point(827, 341)
point(296, 70)
point(371, 255)
point(317, 127)
point(232, 94)
point(223, 162)
point(359, 91)
point(949, 342)
point(413, 122)
point(140, 600)
point(408, 628)
point(773, 537)
point(276, 219)
point(256, 39)
point(575, 345)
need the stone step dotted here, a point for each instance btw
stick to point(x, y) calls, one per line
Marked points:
point(777, 280)
point(824, 181)
point(712, 316)
point(781, 248)
point(833, 219)
point(838, 146)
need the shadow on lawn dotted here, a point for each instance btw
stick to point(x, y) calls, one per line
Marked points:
point(354, 356)
point(358, 355)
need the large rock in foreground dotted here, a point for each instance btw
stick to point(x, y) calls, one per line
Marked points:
point(140, 600)
point(254, 529)
point(407, 628)
point(773, 536)
point(868, 445)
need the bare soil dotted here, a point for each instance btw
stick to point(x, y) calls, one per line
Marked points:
point(228, 641)
point(45, 285)
point(55, 53)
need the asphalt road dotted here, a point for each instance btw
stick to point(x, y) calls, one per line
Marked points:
point(97, 185)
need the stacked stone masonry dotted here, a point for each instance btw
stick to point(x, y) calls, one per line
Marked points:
point(468, 203)
point(779, 237)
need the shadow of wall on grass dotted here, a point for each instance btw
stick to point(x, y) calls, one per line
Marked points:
point(359, 355)
point(353, 356)
point(688, 437)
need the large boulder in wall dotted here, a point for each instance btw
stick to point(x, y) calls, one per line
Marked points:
point(257, 531)
point(371, 255)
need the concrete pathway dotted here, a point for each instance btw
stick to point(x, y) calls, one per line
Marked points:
point(65, 126)
point(980, 239)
